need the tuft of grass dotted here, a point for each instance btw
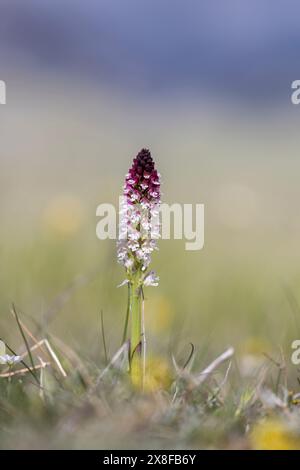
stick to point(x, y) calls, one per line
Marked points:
point(198, 404)
point(25, 341)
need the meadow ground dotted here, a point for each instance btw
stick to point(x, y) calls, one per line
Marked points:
point(241, 291)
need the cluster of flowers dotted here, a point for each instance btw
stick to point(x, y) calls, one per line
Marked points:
point(139, 218)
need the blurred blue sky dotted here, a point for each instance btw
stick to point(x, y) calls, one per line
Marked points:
point(246, 51)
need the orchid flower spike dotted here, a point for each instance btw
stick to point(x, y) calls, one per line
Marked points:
point(138, 233)
point(139, 218)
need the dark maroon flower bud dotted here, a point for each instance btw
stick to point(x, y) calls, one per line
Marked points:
point(141, 178)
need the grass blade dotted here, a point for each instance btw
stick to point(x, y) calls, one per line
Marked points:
point(127, 316)
point(103, 338)
point(25, 341)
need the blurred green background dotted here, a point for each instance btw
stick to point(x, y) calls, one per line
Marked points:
point(60, 160)
point(68, 138)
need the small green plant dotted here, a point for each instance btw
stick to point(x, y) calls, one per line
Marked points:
point(139, 231)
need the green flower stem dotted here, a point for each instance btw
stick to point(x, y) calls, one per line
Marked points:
point(124, 338)
point(136, 363)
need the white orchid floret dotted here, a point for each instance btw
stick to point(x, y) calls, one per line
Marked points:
point(144, 185)
point(146, 262)
point(154, 193)
point(151, 279)
point(122, 250)
point(128, 263)
point(133, 245)
point(135, 216)
point(148, 246)
point(124, 283)
point(9, 360)
point(146, 225)
point(121, 257)
point(140, 254)
point(133, 234)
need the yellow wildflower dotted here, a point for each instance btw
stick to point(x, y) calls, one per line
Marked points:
point(274, 434)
